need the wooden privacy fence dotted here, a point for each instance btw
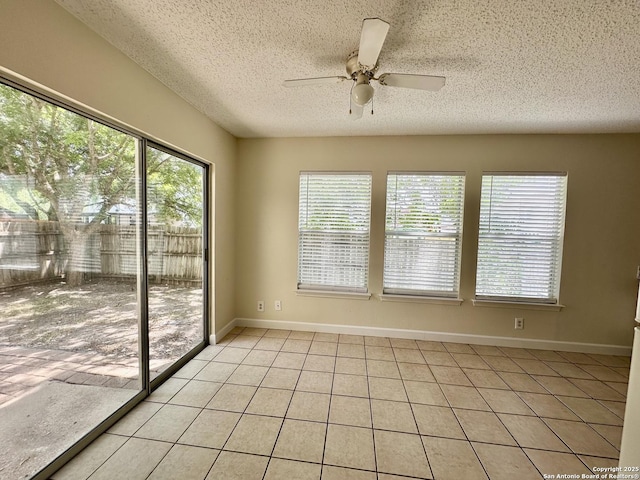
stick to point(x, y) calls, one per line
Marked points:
point(32, 251)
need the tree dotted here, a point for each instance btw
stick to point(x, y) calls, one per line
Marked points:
point(56, 165)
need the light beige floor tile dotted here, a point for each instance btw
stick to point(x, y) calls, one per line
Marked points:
point(355, 339)
point(559, 386)
point(195, 393)
point(569, 370)
point(467, 360)
point(270, 401)
point(612, 360)
point(167, 390)
point(128, 463)
point(552, 463)
point(232, 354)
point(87, 461)
point(350, 350)
point(258, 332)
point(485, 379)
point(202, 432)
point(270, 343)
point(546, 355)
point(464, 397)
point(319, 363)
point(135, 418)
point(325, 337)
point(382, 368)
point(262, 358)
point(535, 367)
point(437, 421)
point(379, 353)
point(403, 343)
point(521, 382)
point(430, 346)
point(450, 375)
point(595, 462)
point(323, 348)
point(185, 462)
point(505, 463)
point(226, 340)
point(353, 385)
point(277, 333)
point(300, 440)
point(425, 392)
point(581, 438)
point(414, 371)
point(289, 469)
point(339, 473)
point(505, 401)
point(216, 372)
point(298, 335)
point(248, 375)
point(512, 352)
point(408, 355)
point(619, 387)
point(309, 406)
point(616, 407)
point(191, 369)
point(531, 432)
point(168, 423)
point(289, 360)
point(237, 331)
point(351, 366)
point(605, 374)
point(387, 389)
point(502, 364)
point(597, 389)
point(457, 347)
point(281, 378)
point(209, 353)
point(441, 451)
point(547, 406)
point(488, 350)
point(296, 346)
point(401, 454)
point(234, 398)
point(317, 382)
point(238, 466)
point(350, 447)
point(484, 427)
point(591, 411)
point(254, 434)
point(439, 358)
point(377, 341)
point(354, 411)
point(244, 341)
point(396, 416)
point(579, 358)
point(611, 433)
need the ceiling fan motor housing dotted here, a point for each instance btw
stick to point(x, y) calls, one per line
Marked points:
point(354, 68)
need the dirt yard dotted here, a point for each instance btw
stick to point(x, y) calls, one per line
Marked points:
point(101, 317)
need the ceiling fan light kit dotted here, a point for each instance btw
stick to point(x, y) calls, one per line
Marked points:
point(361, 68)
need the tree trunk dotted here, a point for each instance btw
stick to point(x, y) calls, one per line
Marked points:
point(78, 258)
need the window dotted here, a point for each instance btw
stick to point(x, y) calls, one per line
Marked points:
point(333, 231)
point(521, 235)
point(423, 233)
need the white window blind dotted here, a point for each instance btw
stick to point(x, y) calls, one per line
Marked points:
point(333, 231)
point(423, 233)
point(521, 235)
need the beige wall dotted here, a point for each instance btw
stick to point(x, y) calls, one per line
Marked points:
point(602, 239)
point(45, 44)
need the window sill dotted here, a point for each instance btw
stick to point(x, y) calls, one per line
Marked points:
point(388, 297)
point(333, 294)
point(520, 305)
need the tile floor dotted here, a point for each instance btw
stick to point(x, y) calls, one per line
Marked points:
point(275, 404)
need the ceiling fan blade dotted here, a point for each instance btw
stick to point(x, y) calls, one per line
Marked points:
point(355, 111)
point(303, 82)
point(374, 32)
point(420, 82)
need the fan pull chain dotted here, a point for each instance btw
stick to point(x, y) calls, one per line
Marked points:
point(371, 105)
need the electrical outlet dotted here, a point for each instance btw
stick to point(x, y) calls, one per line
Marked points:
point(519, 324)
point(278, 305)
point(261, 305)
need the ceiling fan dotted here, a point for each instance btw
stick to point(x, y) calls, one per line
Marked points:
point(362, 65)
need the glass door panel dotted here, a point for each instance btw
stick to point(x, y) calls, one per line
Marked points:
point(175, 247)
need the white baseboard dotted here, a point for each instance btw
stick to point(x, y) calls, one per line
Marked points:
point(426, 335)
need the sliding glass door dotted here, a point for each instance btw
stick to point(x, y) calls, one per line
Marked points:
point(175, 256)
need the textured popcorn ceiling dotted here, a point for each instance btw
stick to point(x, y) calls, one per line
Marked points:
point(512, 66)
